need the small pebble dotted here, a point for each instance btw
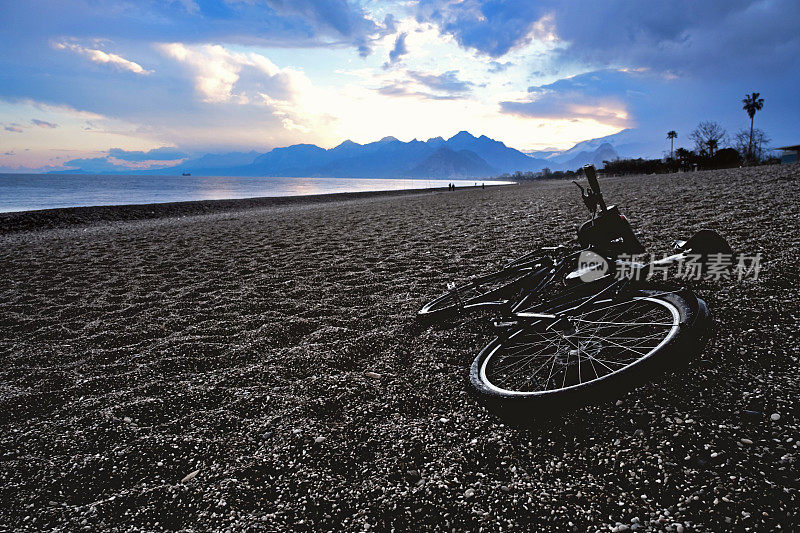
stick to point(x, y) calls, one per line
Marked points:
point(746, 441)
point(320, 440)
point(190, 476)
point(775, 417)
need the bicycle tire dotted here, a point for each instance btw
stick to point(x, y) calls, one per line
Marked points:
point(688, 320)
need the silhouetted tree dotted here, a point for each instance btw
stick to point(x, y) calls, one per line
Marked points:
point(725, 158)
point(707, 137)
point(671, 135)
point(752, 145)
point(683, 154)
point(635, 166)
point(751, 104)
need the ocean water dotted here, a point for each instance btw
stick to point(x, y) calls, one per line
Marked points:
point(25, 192)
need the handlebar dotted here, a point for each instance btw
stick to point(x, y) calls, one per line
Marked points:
point(591, 176)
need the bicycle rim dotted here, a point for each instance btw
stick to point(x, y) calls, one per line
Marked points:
point(600, 344)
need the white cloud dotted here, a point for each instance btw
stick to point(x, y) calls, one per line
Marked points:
point(221, 75)
point(99, 56)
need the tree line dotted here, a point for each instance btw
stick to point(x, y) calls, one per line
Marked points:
point(713, 148)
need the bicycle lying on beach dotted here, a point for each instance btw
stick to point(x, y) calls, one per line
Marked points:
point(579, 324)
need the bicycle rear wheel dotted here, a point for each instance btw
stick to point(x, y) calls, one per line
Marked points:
point(605, 347)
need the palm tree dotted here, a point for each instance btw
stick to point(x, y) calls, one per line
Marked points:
point(671, 135)
point(752, 103)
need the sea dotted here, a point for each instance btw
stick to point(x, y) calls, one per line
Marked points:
point(26, 192)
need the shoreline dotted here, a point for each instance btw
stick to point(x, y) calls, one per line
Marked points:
point(65, 217)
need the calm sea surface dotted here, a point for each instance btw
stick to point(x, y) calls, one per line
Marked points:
point(24, 192)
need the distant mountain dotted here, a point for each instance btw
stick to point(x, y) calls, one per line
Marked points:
point(230, 159)
point(292, 161)
point(447, 163)
point(497, 154)
point(387, 158)
point(462, 155)
point(626, 143)
point(604, 152)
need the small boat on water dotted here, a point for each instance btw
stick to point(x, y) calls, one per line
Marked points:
point(186, 174)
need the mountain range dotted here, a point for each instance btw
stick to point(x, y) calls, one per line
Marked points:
point(460, 156)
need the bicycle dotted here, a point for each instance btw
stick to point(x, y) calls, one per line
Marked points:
point(570, 329)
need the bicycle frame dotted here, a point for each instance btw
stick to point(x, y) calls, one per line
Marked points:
point(517, 313)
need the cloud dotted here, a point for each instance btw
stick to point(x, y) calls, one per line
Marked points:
point(446, 82)
point(682, 37)
point(428, 85)
point(398, 51)
point(156, 154)
point(222, 76)
point(119, 160)
point(649, 102)
point(336, 15)
point(496, 67)
point(266, 23)
point(97, 165)
point(99, 56)
point(44, 123)
point(595, 96)
point(13, 128)
point(491, 27)
point(253, 82)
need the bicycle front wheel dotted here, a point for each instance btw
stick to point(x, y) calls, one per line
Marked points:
point(605, 347)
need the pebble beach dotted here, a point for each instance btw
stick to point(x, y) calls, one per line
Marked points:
point(256, 364)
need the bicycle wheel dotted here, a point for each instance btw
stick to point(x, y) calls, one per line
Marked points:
point(477, 293)
point(605, 347)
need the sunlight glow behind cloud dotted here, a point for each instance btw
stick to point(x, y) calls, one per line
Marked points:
point(221, 75)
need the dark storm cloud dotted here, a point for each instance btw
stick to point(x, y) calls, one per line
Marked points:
point(265, 22)
point(684, 36)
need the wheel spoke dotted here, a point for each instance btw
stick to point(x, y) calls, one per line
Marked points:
point(605, 338)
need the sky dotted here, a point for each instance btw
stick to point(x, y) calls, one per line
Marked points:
point(145, 83)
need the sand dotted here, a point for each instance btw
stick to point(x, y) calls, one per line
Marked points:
point(257, 364)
